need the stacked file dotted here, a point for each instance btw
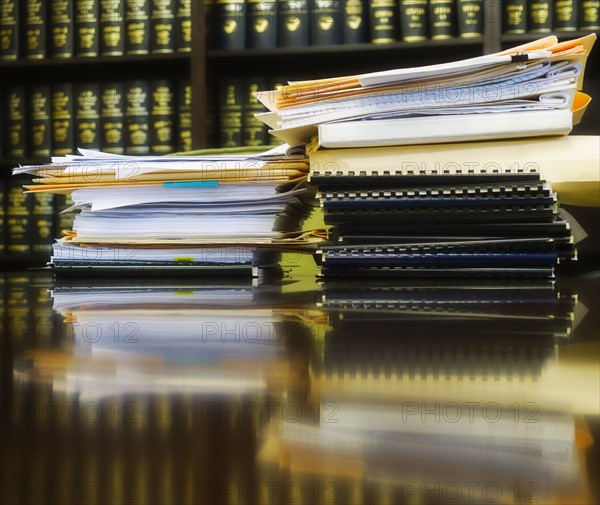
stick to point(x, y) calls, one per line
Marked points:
point(226, 213)
point(406, 189)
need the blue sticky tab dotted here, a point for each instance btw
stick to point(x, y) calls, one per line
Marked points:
point(191, 184)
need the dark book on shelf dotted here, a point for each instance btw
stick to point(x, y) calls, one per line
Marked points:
point(514, 16)
point(254, 132)
point(230, 112)
point(162, 117)
point(87, 40)
point(137, 27)
point(9, 29)
point(14, 122)
point(34, 24)
point(112, 118)
point(162, 26)
point(539, 14)
point(470, 18)
point(413, 20)
point(61, 33)
point(442, 19)
point(355, 22)
point(292, 23)
point(63, 119)
point(565, 15)
point(41, 223)
point(112, 27)
point(39, 140)
point(589, 14)
point(2, 219)
point(383, 15)
point(87, 116)
point(325, 22)
point(18, 207)
point(184, 116)
point(183, 22)
point(137, 117)
point(261, 24)
point(230, 24)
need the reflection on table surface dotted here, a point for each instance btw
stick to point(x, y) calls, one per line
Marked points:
point(238, 391)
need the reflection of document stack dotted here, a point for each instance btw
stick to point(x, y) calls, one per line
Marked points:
point(424, 389)
point(502, 342)
point(411, 457)
point(452, 207)
point(155, 213)
point(180, 337)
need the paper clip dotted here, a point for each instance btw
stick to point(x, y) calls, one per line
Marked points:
point(520, 58)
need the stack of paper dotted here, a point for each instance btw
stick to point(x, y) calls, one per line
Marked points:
point(223, 212)
point(448, 170)
point(464, 100)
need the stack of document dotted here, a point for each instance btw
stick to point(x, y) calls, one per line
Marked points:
point(448, 170)
point(218, 212)
point(471, 99)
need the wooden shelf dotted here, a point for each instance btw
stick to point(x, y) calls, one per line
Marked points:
point(100, 60)
point(15, 162)
point(288, 52)
point(528, 37)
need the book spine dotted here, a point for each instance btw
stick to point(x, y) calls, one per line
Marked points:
point(14, 122)
point(162, 117)
point(9, 29)
point(442, 19)
point(514, 16)
point(38, 112)
point(87, 116)
point(62, 119)
point(355, 26)
point(212, 119)
point(383, 18)
point(17, 212)
point(470, 18)
point(162, 17)
point(184, 116)
point(64, 221)
point(325, 22)
point(112, 118)
point(87, 40)
point(137, 27)
point(413, 20)
point(34, 28)
point(293, 23)
point(183, 20)
point(137, 117)
point(41, 223)
point(231, 111)
point(261, 24)
point(60, 37)
point(2, 229)
point(565, 15)
point(254, 131)
point(209, 23)
point(112, 27)
point(230, 18)
point(589, 15)
point(539, 16)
